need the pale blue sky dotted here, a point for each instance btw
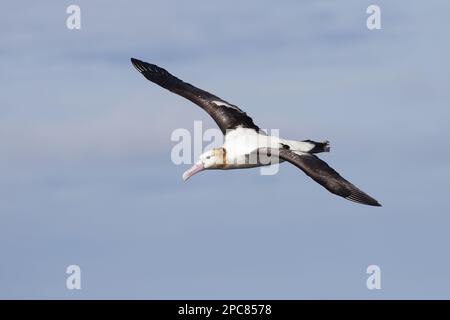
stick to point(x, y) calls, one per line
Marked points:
point(85, 170)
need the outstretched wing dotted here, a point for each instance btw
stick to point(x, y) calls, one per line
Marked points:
point(322, 173)
point(226, 115)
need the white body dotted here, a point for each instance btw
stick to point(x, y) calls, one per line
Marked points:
point(242, 144)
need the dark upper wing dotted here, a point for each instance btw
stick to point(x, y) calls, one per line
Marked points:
point(226, 115)
point(322, 173)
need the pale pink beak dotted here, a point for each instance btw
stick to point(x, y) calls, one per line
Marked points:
point(193, 170)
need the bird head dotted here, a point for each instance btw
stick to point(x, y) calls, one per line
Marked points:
point(212, 159)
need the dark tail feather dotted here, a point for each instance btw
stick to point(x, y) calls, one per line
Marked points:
point(319, 146)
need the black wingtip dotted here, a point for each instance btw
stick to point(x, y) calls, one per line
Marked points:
point(375, 204)
point(359, 196)
point(135, 61)
point(372, 202)
point(366, 202)
point(138, 64)
point(156, 74)
point(145, 68)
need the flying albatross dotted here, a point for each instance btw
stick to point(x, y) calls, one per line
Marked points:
point(246, 145)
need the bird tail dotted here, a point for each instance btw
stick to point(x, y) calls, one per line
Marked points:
point(307, 146)
point(318, 147)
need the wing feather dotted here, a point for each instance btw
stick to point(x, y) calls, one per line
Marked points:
point(226, 115)
point(323, 174)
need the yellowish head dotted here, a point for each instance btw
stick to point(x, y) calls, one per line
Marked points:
point(212, 159)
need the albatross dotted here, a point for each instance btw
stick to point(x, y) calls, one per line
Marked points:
point(246, 145)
